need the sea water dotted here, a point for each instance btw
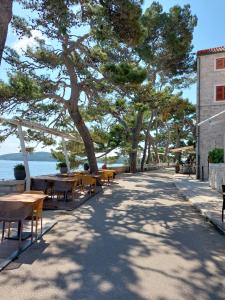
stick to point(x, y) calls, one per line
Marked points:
point(36, 168)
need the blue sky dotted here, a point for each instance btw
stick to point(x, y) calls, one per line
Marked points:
point(210, 32)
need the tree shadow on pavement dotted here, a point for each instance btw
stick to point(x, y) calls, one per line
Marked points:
point(114, 246)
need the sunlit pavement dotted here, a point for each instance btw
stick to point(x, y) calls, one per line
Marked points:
point(138, 240)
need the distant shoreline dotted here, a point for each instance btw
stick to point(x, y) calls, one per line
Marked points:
point(35, 156)
point(17, 160)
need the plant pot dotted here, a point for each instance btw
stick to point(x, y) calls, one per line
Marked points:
point(19, 174)
point(63, 170)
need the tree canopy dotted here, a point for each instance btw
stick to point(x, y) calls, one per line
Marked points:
point(102, 69)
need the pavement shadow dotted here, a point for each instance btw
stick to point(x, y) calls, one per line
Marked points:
point(92, 250)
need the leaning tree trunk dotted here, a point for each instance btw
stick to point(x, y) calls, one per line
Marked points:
point(87, 139)
point(135, 141)
point(73, 109)
point(5, 18)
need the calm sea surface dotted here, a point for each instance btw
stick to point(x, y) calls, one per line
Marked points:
point(36, 168)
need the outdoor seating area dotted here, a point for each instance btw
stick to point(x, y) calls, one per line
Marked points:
point(21, 214)
point(21, 223)
point(71, 186)
point(186, 163)
point(112, 150)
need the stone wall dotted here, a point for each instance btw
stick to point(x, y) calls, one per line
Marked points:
point(11, 186)
point(211, 134)
point(216, 176)
point(149, 167)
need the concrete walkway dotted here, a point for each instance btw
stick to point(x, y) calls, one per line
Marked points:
point(203, 197)
point(138, 240)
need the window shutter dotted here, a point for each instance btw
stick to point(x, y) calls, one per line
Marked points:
point(220, 93)
point(220, 63)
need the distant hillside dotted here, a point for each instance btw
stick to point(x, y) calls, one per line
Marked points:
point(36, 156)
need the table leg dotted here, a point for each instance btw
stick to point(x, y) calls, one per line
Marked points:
point(19, 229)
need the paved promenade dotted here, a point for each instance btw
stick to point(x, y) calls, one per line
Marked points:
point(138, 240)
point(201, 196)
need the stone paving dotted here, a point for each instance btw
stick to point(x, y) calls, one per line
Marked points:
point(138, 240)
point(203, 197)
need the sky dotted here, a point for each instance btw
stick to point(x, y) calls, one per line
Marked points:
point(209, 33)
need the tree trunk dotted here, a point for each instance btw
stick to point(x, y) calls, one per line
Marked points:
point(149, 151)
point(133, 161)
point(155, 144)
point(146, 142)
point(144, 153)
point(155, 148)
point(178, 154)
point(5, 18)
point(135, 141)
point(167, 147)
point(87, 139)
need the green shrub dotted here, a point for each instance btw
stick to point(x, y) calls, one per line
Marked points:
point(61, 164)
point(19, 167)
point(216, 156)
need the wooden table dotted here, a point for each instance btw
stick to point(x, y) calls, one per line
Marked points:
point(55, 178)
point(25, 198)
point(52, 183)
point(29, 198)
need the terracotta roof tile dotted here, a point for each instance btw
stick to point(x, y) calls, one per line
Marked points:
point(211, 50)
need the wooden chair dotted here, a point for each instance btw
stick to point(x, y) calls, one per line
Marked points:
point(107, 175)
point(110, 174)
point(12, 211)
point(78, 181)
point(89, 182)
point(104, 177)
point(63, 188)
point(37, 212)
point(77, 185)
point(45, 186)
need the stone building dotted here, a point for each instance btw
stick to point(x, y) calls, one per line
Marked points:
point(210, 101)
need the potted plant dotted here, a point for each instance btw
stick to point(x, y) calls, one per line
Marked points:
point(216, 156)
point(62, 167)
point(19, 172)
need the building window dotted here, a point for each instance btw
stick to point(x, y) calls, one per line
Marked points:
point(220, 92)
point(220, 63)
